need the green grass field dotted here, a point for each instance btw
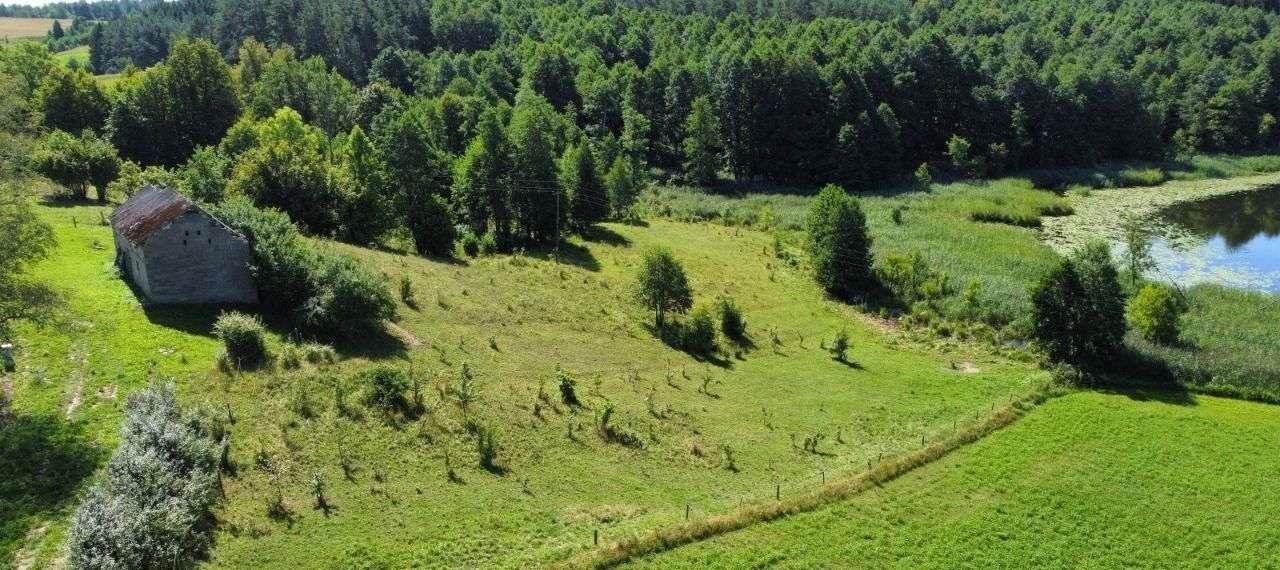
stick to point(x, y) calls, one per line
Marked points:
point(78, 54)
point(1230, 343)
point(513, 320)
point(1104, 480)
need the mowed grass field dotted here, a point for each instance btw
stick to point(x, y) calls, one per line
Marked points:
point(20, 28)
point(1089, 479)
point(711, 434)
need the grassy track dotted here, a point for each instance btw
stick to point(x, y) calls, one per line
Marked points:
point(1119, 481)
point(513, 320)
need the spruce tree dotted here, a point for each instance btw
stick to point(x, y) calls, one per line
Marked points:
point(839, 247)
point(579, 180)
point(703, 148)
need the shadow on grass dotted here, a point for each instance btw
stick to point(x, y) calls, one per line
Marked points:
point(601, 234)
point(45, 460)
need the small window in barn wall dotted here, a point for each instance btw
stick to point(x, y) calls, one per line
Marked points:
point(184, 243)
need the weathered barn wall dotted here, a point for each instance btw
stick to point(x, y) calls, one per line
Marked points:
point(133, 264)
point(196, 259)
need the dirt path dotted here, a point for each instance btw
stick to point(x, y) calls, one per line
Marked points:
point(78, 355)
point(25, 559)
point(404, 335)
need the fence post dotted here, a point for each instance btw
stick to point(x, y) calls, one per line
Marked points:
point(686, 511)
point(777, 492)
point(595, 537)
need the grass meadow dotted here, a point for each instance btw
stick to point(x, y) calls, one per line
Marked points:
point(1006, 233)
point(22, 28)
point(708, 435)
point(1107, 480)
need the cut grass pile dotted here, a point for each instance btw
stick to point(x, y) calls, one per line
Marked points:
point(21, 28)
point(707, 435)
point(1121, 481)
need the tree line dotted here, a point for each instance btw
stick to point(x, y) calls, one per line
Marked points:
point(855, 93)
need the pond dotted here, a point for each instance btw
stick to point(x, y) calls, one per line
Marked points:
point(1233, 240)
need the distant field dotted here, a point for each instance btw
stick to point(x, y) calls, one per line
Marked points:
point(513, 320)
point(1104, 480)
point(17, 28)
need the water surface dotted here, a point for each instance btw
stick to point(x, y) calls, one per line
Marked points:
point(1233, 240)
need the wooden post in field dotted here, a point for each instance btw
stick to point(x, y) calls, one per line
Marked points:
point(595, 537)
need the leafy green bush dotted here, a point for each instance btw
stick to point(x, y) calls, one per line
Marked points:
point(698, 336)
point(470, 244)
point(1156, 312)
point(910, 278)
point(328, 293)
point(487, 448)
point(1078, 308)
point(242, 337)
point(151, 509)
point(731, 322)
point(385, 387)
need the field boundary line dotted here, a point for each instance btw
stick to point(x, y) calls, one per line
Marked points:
point(667, 538)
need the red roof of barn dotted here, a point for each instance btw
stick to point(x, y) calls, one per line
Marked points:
point(147, 211)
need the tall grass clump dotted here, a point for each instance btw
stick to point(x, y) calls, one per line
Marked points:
point(385, 387)
point(151, 509)
point(242, 338)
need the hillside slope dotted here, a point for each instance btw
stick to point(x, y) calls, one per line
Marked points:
point(709, 434)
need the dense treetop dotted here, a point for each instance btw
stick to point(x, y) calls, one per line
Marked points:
point(803, 92)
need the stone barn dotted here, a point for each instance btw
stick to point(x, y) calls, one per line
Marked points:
point(175, 252)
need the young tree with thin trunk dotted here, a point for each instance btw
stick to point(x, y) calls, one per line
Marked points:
point(663, 287)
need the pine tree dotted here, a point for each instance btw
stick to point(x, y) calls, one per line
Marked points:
point(579, 180)
point(482, 182)
point(537, 202)
point(703, 148)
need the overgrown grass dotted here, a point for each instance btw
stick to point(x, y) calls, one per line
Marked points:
point(1230, 343)
point(1141, 480)
point(512, 321)
point(981, 231)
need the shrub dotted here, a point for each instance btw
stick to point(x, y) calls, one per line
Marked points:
point(839, 246)
point(407, 295)
point(923, 176)
point(910, 278)
point(839, 345)
point(1155, 312)
point(317, 353)
point(385, 387)
point(731, 322)
point(487, 448)
point(151, 509)
point(470, 244)
point(349, 299)
point(698, 336)
point(327, 292)
point(568, 389)
point(242, 338)
point(489, 243)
